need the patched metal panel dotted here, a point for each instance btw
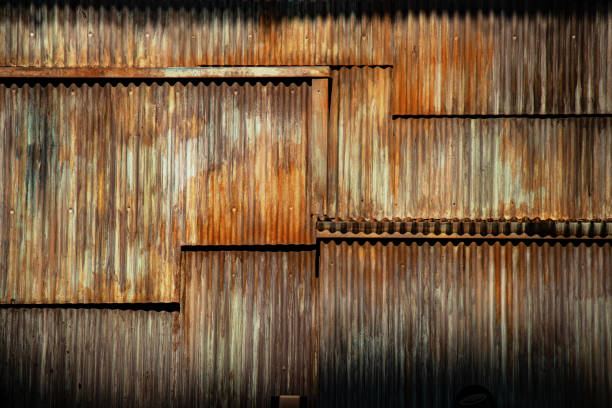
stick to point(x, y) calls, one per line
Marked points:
point(160, 33)
point(503, 57)
point(102, 183)
point(75, 357)
point(447, 168)
point(250, 326)
point(411, 323)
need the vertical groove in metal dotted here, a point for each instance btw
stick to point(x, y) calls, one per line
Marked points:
point(503, 57)
point(104, 182)
point(250, 327)
point(140, 34)
point(411, 323)
point(89, 357)
point(467, 168)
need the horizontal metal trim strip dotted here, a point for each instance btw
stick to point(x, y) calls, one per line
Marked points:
point(158, 307)
point(175, 72)
point(459, 237)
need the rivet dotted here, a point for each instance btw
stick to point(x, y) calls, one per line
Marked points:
point(90, 34)
point(456, 37)
point(32, 34)
point(12, 211)
point(70, 210)
point(129, 208)
point(233, 209)
point(293, 91)
point(72, 93)
point(147, 35)
point(14, 91)
point(573, 36)
point(514, 37)
point(235, 92)
point(363, 37)
point(284, 368)
point(306, 38)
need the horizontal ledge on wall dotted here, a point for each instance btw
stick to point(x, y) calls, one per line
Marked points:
point(545, 230)
point(254, 248)
point(169, 73)
point(451, 237)
point(155, 307)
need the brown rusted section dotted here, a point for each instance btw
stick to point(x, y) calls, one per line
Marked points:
point(165, 73)
point(409, 324)
point(103, 183)
point(502, 58)
point(467, 229)
point(89, 357)
point(457, 168)
point(250, 327)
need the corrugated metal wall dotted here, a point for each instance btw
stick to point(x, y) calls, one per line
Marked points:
point(101, 183)
point(450, 57)
point(73, 357)
point(503, 57)
point(547, 168)
point(408, 324)
point(250, 326)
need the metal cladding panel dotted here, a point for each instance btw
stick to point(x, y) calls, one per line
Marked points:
point(447, 168)
point(503, 57)
point(158, 33)
point(78, 357)
point(101, 184)
point(359, 141)
point(250, 328)
point(410, 324)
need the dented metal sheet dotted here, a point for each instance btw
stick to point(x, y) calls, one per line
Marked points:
point(102, 183)
point(160, 33)
point(250, 328)
point(410, 324)
point(75, 357)
point(445, 168)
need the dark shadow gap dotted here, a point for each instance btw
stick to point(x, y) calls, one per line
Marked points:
point(502, 116)
point(154, 307)
point(258, 248)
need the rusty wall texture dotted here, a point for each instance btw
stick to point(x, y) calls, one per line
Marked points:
point(101, 183)
point(450, 58)
point(89, 357)
point(546, 168)
point(250, 326)
point(409, 324)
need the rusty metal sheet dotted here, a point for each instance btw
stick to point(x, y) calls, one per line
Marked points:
point(101, 184)
point(409, 324)
point(502, 57)
point(75, 357)
point(159, 33)
point(445, 168)
point(468, 229)
point(250, 329)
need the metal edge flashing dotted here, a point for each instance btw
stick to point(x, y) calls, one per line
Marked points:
point(467, 229)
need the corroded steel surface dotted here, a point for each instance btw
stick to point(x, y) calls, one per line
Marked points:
point(459, 167)
point(89, 357)
point(101, 184)
point(160, 33)
point(503, 57)
point(467, 229)
point(407, 324)
point(250, 332)
point(487, 57)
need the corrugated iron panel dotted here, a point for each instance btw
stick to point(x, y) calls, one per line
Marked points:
point(472, 168)
point(161, 33)
point(468, 229)
point(503, 57)
point(359, 141)
point(250, 328)
point(89, 357)
point(409, 324)
point(102, 183)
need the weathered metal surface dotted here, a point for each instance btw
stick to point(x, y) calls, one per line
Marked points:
point(102, 184)
point(360, 142)
point(467, 229)
point(89, 357)
point(161, 73)
point(462, 168)
point(408, 324)
point(160, 33)
point(250, 329)
point(503, 57)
